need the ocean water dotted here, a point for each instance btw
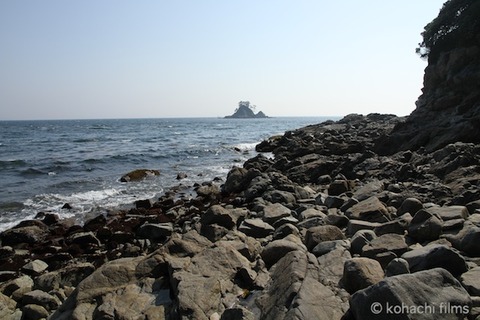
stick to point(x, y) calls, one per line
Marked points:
point(45, 164)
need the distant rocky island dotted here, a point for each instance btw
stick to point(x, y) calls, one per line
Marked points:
point(246, 111)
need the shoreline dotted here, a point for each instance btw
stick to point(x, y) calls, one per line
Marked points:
point(320, 230)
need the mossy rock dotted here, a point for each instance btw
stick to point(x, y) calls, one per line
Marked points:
point(139, 174)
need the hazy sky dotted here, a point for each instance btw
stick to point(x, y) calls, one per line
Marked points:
point(198, 58)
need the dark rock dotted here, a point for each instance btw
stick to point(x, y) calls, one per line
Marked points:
point(84, 239)
point(69, 276)
point(319, 234)
point(95, 223)
point(337, 187)
point(139, 174)
point(143, 204)
point(356, 225)
point(67, 206)
point(284, 230)
point(155, 231)
point(29, 235)
point(256, 228)
point(181, 176)
point(467, 239)
point(388, 243)
point(436, 256)
point(359, 273)
point(274, 212)
point(410, 205)
point(329, 246)
point(397, 266)
point(371, 210)
point(34, 312)
point(360, 239)
point(425, 226)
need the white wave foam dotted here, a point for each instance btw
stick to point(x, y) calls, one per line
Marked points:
point(246, 146)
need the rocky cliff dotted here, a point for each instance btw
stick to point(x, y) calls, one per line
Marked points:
point(449, 108)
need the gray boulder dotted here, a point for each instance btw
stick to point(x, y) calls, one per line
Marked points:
point(256, 228)
point(315, 235)
point(359, 273)
point(471, 281)
point(425, 226)
point(436, 256)
point(371, 210)
point(408, 296)
point(296, 292)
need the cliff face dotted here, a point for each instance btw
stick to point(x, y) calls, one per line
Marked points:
point(449, 108)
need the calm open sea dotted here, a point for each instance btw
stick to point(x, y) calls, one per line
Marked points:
point(45, 164)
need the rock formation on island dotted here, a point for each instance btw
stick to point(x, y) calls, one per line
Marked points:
point(246, 111)
point(330, 227)
point(449, 108)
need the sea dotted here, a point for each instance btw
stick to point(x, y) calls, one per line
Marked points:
point(45, 164)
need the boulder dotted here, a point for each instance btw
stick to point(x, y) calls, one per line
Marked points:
point(471, 281)
point(385, 248)
point(410, 205)
point(35, 267)
point(436, 256)
point(422, 295)
point(155, 231)
point(359, 273)
point(296, 293)
point(256, 228)
point(69, 276)
point(277, 249)
point(328, 246)
point(397, 266)
point(467, 239)
point(28, 234)
point(274, 212)
point(425, 226)
point(139, 174)
point(371, 210)
point(360, 239)
point(219, 215)
point(316, 235)
point(41, 298)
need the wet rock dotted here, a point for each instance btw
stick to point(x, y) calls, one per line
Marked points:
point(28, 235)
point(139, 174)
point(84, 239)
point(143, 204)
point(359, 273)
point(435, 288)
point(155, 231)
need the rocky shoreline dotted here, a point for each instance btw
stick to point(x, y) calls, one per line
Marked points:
point(327, 229)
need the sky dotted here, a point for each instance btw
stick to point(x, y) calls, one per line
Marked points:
point(199, 58)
